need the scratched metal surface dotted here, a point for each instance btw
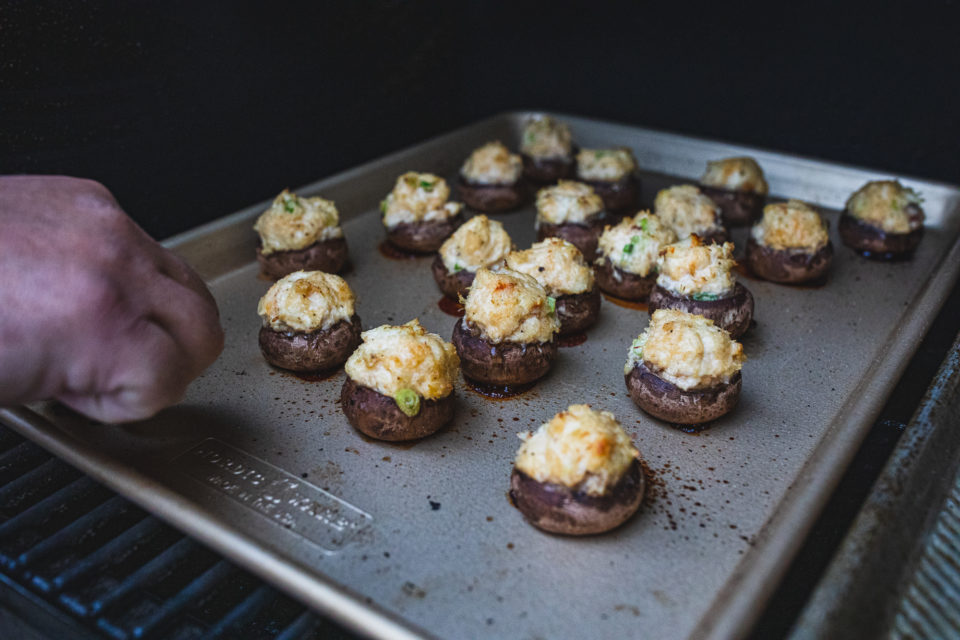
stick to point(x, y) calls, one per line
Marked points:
point(430, 544)
point(912, 522)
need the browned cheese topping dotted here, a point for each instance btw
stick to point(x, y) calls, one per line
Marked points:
point(687, 350)
point(556, 264)
point(395, 358)
point(579, 448)
point(508, 306)
point(791, 226)
point(685, 210)
point(492, 164)
point(481, 242)
point(888, 205)
point(293, 223)
point(306, 301)
point(735, 174)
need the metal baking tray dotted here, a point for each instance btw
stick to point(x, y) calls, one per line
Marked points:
point(419, 540)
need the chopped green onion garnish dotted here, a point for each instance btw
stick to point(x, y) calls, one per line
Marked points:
point(628, 248)
point(383, 206)
point(643, 224)
point(709, 297)
point(457, 267)
point(551, 305)
point(409, 402)
point(426, 186)
point(290, 204)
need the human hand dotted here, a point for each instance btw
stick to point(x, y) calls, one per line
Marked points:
point(93, 312)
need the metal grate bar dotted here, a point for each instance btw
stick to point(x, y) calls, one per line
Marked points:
point(16, 461)
point(189, 595)
point(305, 623)
point(112, 508)
point(133, 536)
point(52, 473)
point(174, 554)
point(230, 624)
point(9, 439)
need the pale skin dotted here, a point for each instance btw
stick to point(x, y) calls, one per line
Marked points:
point(93, 312)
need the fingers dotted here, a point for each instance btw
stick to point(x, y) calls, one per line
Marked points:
point(142, 372)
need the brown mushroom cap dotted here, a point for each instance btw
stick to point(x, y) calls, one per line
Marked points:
point(584, 237)
point(492, 198)
point(874, 242)
point(788, 267)
point(560, 509)
point(621, 195)
point(623, 284)
point(732, 313)
point(425, 236)
point(453, 285)
point(328, 256)
point(738, 208)
point(548, 170)
point(507, 363)
point(378, 416)
point(668, 402)
point(578, 311)
point(314, 351)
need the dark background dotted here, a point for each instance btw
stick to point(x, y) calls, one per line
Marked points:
point(189, 111)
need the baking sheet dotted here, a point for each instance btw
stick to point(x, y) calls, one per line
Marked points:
point(418, 540)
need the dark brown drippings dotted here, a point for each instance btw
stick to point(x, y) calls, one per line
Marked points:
point(387, 250)
point(497, 391)
point(316, 376)
point(627, 304)
point(450, 307)
point(572, 340)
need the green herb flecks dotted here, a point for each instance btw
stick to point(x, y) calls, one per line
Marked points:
point(551, 305)
point(383, 206)
point(644, 224)
point(289, 203)
point(426, 186)
point(705, 297)
point(628, 248)
point(408, 401)
point(457, 267)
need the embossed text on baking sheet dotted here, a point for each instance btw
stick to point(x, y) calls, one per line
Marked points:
point(317, 515)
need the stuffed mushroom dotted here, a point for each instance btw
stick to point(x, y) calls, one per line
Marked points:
point(480, 242)
point(613, 174)
point(491, 179)
point(300, 234)
point(790, 244)
point(883, 220)
point(506, 336)
point(547, 150)
point(578, 474)
point(560, 269)
point(738, 186)
point(627, 264)
point(687, 211)
point(399, 383)
point(684, 369)
point(572, 211)
point(417, 214)
point(309, 324)
point(699, 279)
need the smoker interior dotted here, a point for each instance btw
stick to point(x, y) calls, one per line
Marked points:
point(79, 561)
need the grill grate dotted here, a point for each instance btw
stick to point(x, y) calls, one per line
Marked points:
point(120, 573)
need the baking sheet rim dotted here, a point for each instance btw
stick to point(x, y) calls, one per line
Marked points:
point(730, 615)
